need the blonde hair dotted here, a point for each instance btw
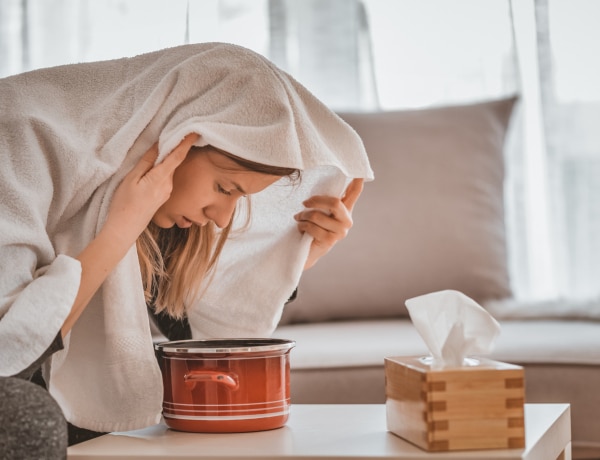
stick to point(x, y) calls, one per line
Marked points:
point(175, 262)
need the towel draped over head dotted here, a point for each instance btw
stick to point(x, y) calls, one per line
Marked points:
point(68, 136)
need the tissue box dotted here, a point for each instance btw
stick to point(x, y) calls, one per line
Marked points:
point(479, 406)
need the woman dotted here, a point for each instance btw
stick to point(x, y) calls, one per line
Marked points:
point(85, 180)
point(206, 189)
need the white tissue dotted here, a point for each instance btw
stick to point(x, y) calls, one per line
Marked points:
point(453, 327)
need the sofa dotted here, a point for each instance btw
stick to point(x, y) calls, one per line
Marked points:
point(433, 219)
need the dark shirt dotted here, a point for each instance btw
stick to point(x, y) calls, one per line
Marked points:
point(179, 329)
point(30, 371)
point(171, 328)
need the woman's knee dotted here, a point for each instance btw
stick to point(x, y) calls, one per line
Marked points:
point(31, 422)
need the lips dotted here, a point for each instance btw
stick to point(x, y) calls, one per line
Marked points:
point(184, 222)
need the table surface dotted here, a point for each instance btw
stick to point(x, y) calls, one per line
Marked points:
point(325, 431)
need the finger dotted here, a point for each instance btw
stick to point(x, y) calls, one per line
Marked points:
point(146, 162)
point(353, 191)
point(318, 218)
point(327, 204)
point(331, 204)
point(337, 227)
point(178, 154)
point(321, 236)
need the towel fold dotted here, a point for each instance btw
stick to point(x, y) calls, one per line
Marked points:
point(69, 134)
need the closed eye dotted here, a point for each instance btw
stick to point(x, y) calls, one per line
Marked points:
point(222, 190)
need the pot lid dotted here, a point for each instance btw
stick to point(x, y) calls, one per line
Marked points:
point(225, 345)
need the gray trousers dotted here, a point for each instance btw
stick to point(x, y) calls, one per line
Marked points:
point(32, 426)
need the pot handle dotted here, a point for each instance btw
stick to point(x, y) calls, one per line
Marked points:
point(228, 379)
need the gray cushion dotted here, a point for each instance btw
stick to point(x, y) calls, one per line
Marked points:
point(433, 219)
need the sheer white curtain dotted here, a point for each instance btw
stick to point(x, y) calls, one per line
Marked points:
point(559, 58)
point(397, 54)
point(569, 57)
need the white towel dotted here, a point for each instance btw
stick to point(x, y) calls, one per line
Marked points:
point(69, 134)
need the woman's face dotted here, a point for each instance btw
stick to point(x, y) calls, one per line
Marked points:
point(206, 187)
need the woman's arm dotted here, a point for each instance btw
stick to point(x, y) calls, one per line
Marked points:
point(145, 188)
point(328, 220)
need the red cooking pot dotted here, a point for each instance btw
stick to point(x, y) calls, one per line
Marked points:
point(225, 385)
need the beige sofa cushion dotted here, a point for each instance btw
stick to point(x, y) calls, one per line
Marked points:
point(433, 218)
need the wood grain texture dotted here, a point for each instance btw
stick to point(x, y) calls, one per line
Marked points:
point(472, 407)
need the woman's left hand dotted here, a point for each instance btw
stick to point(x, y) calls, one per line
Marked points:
point(328, 220)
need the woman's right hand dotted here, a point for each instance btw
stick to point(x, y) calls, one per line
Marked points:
point(143, 190)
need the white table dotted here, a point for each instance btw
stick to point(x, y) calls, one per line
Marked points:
point(356, 431)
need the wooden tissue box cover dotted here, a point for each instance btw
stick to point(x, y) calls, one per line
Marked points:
point(471, 407)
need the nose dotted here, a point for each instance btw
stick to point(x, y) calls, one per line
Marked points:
point(222, 212)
